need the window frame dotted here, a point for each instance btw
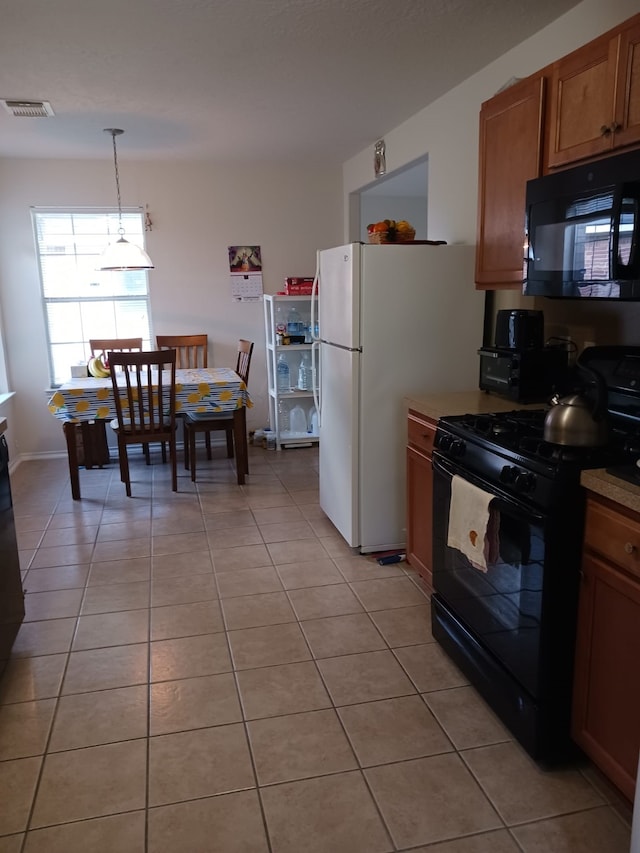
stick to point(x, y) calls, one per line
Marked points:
point(106, 229)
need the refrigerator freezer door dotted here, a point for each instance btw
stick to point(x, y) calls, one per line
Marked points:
point(339, 296)
point(339, 430)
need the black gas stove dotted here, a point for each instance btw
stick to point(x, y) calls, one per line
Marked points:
point(509, 621)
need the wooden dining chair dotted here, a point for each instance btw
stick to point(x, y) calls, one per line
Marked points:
point(191, 350)
point(195, 422)
point(144, 391)
point(101, 346)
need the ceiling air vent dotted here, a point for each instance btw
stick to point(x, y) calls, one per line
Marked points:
point(28, 109)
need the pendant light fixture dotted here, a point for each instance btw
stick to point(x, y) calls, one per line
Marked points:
point(122, 255)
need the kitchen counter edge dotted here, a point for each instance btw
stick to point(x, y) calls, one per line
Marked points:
point(440, 404)
point(598, 481)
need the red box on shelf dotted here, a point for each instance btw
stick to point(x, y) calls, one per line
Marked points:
point(298, 286)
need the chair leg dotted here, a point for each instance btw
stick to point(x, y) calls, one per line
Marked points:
point(229, 432)
point(124, 466)
point(163, 445)
point(192, 452)
point(207, 441)
point(185, 444)
point(147, 455)
point(174, 470)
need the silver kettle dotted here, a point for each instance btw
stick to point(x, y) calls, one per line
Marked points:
point(577, 420)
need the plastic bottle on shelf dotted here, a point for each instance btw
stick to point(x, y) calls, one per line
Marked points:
point(283, 416)
point(304, 372)
point(298, 421)
point(282, 369)
point(295, 326)
point(312, 426)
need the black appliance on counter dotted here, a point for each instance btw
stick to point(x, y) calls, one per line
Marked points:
point(511, 629)
point(11, 593)
point(520, 367)
point(519, 330)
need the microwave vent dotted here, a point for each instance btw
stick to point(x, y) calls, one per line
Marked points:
point(28, 109)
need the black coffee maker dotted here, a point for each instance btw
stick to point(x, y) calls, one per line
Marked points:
point(520, 367)
point(519, 330)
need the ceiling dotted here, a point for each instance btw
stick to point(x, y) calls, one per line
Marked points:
point(241, 80)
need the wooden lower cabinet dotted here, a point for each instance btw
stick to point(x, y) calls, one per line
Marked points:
point(606, 702)
point(421, 433)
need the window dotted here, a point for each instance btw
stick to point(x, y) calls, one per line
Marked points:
point(79, 302)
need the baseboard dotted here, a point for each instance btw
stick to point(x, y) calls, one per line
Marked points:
point(217, 441)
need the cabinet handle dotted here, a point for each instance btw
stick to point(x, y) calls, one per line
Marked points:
point(615, 127)
point(629, 548)
point(605, 130)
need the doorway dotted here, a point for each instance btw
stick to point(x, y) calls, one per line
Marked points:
point(402, 194)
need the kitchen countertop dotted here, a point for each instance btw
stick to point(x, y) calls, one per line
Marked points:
point(439, 405)
point(626, 494)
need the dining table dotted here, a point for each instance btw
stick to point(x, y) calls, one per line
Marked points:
point(202, 389)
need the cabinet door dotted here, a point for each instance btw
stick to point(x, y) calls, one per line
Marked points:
point(606, 700)
point(421, 433)
point(581, 102)
point(420, 510)
point(510, 155)
point(627, 114)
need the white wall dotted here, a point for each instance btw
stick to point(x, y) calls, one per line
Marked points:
point(197, 209)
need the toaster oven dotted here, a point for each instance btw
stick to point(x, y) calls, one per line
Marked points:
point(524, 376)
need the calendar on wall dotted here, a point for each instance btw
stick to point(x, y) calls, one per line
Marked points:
point(245, 267)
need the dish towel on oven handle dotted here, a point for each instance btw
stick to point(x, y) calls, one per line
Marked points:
point(473, 524)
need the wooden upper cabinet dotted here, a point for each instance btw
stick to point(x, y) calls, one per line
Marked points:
point(627, 112)
point(510, 155)
point(594, 98)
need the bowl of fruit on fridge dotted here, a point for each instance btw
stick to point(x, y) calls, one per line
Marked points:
point(391, 231)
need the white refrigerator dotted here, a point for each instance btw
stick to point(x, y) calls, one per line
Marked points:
point(395, 320)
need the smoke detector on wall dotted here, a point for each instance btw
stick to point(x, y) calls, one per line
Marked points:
point(28, 109)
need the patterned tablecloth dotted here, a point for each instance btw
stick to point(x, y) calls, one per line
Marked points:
point(197, 390)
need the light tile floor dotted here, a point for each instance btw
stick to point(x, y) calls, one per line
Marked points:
point(214, 670)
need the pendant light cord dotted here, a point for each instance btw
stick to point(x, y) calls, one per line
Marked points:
point(114, 131)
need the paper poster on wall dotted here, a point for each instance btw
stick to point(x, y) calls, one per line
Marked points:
point(245, 266)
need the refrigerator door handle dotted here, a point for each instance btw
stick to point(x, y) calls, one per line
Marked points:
point(315, 363)
point(314, 293)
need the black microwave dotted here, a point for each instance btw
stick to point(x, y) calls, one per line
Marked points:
point(583, 231)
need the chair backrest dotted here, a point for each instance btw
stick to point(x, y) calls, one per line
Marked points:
point(191, 349)
point(144, 391)
point(245, 351)
point(102, 346)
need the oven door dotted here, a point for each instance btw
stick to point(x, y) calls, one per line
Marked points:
point(502, 607)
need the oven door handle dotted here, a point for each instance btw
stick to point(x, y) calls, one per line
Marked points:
point(442, 466)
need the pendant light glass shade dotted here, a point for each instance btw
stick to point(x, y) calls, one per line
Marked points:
point(122, 255)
